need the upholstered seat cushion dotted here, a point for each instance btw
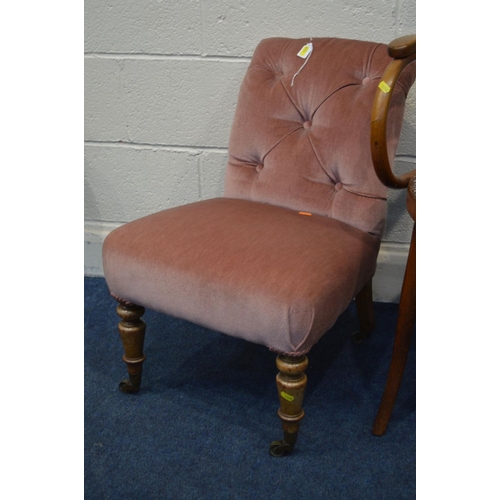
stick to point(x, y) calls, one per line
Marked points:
point(252, 270)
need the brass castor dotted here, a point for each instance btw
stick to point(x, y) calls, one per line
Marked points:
point(279, 448)
point(128, 386)
point(359, 336)
point(283, 447)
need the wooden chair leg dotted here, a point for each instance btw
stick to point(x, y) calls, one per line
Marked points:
point(291, 382)
point(132, 332)
point(402, 341)
point(366, 313)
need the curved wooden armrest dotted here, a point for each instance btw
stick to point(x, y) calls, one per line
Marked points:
point(403, 47)
point(403, 50)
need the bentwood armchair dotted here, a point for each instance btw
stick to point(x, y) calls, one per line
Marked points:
point(296, 235)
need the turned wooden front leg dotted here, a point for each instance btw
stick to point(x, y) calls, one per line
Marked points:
point(291, 382)
point(132, 331)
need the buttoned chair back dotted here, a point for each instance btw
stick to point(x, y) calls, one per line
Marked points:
point(306, 145)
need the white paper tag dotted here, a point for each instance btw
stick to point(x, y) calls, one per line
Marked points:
point(304, 51)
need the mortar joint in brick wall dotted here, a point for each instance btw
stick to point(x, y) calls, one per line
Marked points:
point(194, 150)
point(167, 57)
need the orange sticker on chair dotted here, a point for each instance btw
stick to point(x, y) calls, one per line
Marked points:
point(304, 213)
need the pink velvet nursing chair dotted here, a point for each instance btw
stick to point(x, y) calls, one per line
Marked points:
point(296, 235)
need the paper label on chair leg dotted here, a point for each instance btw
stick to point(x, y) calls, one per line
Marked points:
point(286, 396)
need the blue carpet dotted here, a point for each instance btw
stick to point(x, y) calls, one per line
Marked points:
point(202, 423)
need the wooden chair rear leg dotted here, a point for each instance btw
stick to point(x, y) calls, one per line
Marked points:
point(132, 332)
point(402, 342)
point(366, 313)
point(291, 382)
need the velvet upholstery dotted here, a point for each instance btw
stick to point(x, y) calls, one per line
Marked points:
point(250, 264)
point(306, 146)
point(249, 269)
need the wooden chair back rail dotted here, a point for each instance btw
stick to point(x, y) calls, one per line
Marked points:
point(404, 51)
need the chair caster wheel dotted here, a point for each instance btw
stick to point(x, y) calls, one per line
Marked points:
point(127, 387)
point(280, 448)
point(358, 336)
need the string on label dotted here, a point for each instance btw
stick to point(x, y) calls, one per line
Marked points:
point(304, 52)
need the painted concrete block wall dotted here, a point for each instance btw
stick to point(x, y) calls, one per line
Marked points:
point(161, 83)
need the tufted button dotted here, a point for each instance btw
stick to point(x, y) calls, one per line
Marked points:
point(307, 124)
point(259, 167)
point(366, 80)
point(338, 186)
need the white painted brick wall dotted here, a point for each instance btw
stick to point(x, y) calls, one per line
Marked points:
point(163, 101)
point(103, 100)
point(235, 27)
point(147, 26)
point(167, 179)
point(161, 83)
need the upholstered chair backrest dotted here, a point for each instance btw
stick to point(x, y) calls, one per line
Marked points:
point(306, 146)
